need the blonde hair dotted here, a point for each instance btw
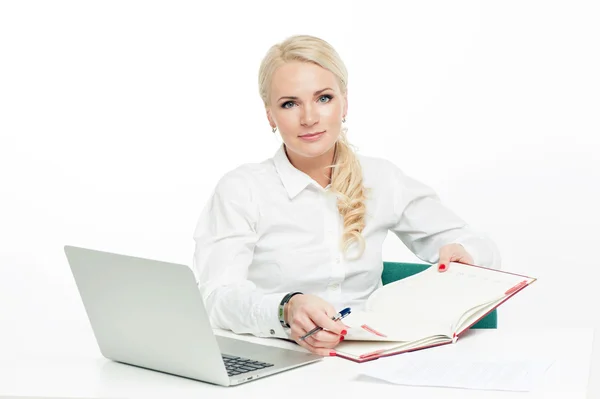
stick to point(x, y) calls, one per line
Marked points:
point(346, 176)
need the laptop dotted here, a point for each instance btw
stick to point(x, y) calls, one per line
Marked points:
point(150, 314)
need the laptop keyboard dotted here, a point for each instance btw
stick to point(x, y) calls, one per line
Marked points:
point(239, 365)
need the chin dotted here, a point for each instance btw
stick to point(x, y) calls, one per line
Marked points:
point(311, 150)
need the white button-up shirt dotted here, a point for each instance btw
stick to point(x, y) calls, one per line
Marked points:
point(270, 229)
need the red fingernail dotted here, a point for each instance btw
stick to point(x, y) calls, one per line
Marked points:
point(341, 338)
point(344, 332)
point(332, 353)
point(442, 267)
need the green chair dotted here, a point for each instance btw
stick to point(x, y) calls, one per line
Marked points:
point(393, 271)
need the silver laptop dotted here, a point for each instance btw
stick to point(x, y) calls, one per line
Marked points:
point(151, 314)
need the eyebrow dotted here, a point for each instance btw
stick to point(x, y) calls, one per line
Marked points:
point(295, 98)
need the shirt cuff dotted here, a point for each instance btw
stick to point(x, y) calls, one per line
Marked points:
point(267, 317)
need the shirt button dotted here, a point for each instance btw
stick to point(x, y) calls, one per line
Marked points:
point(334, 286)
point(272, 332)
point(337, 260)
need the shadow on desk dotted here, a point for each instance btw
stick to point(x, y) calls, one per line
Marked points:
point(126, 374)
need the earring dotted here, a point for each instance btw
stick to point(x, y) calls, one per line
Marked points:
point(274, 129)
point(344, 120)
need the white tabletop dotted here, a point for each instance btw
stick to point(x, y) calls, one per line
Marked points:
point(30, 375)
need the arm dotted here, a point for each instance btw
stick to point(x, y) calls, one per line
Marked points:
point(425, 225)
point(225, 238)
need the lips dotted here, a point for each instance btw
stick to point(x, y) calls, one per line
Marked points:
point(312, 134)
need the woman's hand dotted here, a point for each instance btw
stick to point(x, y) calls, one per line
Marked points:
point(305, 312)
point(453, 253)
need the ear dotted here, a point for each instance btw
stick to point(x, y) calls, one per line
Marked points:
point(270, 118)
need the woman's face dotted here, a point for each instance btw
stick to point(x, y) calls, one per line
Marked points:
point(307, 107)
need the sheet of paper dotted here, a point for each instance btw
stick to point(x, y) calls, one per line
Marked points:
point(480, 374)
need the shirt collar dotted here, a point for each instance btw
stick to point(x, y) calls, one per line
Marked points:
point(293, 179)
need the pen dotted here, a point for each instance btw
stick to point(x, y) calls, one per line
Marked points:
point(339, 316)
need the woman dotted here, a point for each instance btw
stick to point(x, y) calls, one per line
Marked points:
point(283, 244)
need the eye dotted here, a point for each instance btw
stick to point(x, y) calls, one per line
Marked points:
point(327, 98)
point(285, 104)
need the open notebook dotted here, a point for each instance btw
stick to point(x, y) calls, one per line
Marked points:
point(426, 309)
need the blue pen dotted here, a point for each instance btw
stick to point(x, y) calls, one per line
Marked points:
point(339, 316)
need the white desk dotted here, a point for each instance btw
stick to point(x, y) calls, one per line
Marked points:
point(89, 377)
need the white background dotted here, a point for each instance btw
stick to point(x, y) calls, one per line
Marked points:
point(118, 118)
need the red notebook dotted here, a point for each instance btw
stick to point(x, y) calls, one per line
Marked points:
point(425, 310)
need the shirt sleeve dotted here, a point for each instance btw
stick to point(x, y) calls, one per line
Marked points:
point(225, 237)
point(424, 224)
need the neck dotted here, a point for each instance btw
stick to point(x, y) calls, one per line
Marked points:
point(317, 167)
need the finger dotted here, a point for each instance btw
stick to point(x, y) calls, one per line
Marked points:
point(324, 339)
point(327, 336)
point(314, 342)
point(298, 332)
point(321, 339)
point(321, 344)
point(344, 326)
point(320, 318)
point(443, 265)
point(462, 255)
point(464, 260)
point(315, 350)
point(304, 326)
point(445, 258)
point(330, 311)
point(453, 253)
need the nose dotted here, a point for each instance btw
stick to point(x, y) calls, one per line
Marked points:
point(310, 115)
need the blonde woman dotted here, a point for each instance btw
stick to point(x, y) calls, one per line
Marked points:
point(283, 244)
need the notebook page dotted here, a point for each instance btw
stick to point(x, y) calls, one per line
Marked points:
point(357, 349)
point(474, 314)
point(430, 296)
point(390, 326)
